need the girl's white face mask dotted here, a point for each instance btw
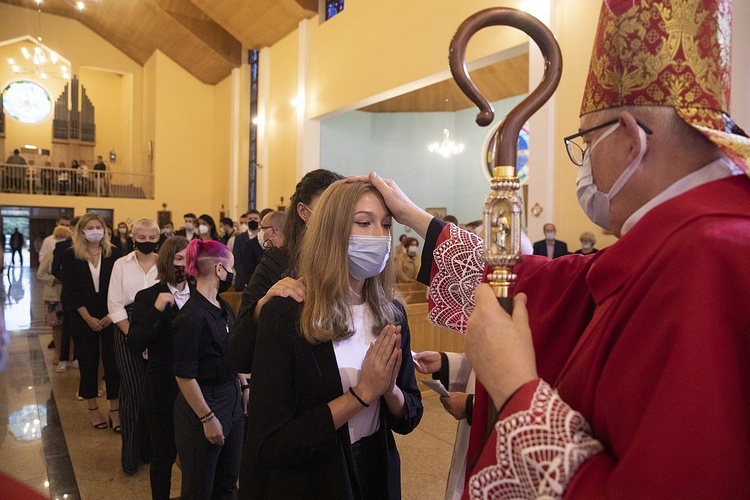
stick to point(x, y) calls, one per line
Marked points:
point(368, 255)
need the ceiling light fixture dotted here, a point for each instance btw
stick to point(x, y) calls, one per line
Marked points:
point(38, 59)
point(446, 147)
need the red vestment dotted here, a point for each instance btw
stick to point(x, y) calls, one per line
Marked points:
point(647, 342)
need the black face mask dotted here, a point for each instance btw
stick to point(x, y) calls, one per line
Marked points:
point(179, 274)
point(253, 225)
point(225, 283)
point(146, 247)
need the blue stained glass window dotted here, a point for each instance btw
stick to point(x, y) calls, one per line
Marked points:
point(333, 7)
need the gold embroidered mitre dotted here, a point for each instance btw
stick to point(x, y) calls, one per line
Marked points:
point(668, 53)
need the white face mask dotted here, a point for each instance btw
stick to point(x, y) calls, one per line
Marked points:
point(243, 228)
point(368, 255)
point(93, 235)
point(412, 249)
point(550, 236)
point(189, 225)
point(593, 202)
point(261, 238)
point(586, 246)
point(203, 229)
point(122, 230)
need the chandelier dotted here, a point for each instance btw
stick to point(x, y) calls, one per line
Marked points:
point(38, 59)
point(446, 147)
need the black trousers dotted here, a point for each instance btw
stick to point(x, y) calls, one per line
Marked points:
point(159, 393)
point(87, 352)
point(210, 470)
point(136, 446)
point(13, 255)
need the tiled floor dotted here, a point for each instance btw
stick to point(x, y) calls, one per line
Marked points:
point(55, 449)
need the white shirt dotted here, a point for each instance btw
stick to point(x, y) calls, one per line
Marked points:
point(717, 169)
point(349, 356)
point(95, 271)
point(127, 279)
point(180, 296)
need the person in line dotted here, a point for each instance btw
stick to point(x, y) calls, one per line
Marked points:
point(271, 233)
point(227, 232)
point(87, 269)
point(207, 228)
point(154, 310)
point(588, 240)
point(550, 246)
point(276, 274)
point(67, 335)
point(247, 251)
point(189, 230)
point(210, 407)
point(53, 289)
point(167, 231)
point(333, 377)
point(17, 242)
point(123, 239)
point(131, 274)
point(408, 263)
point(48, 245)
point(638, 358)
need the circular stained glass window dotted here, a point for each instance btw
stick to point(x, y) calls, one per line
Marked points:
point(27, 102)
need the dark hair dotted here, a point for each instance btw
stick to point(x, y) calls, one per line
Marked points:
point(165, 260)
point(226, 221)
point(265, 212)
point(410, 241)
point(309, 187)
point(15, 151)
point(211, 225)
point(252, 211)
point(189, 214)
point(451, 218)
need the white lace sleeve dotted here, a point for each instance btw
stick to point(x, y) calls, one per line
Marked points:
point(538, 450)
point(459, 270)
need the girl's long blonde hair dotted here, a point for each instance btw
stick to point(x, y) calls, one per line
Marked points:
point(324, 268)
point(81, 245)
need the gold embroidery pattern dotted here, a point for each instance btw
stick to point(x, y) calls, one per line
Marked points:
point(669, 53)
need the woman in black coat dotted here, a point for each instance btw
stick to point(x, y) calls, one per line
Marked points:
point(154, 310)
point(86, 270)
point(333, 377)
point(276, 272)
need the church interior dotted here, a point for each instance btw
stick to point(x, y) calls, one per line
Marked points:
point(219, 107)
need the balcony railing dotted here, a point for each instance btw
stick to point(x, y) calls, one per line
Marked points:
point(33, 179)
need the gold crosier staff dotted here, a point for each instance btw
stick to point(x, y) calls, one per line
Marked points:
point(502, 208)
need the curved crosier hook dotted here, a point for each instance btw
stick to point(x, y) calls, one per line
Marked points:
point(505, 146)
